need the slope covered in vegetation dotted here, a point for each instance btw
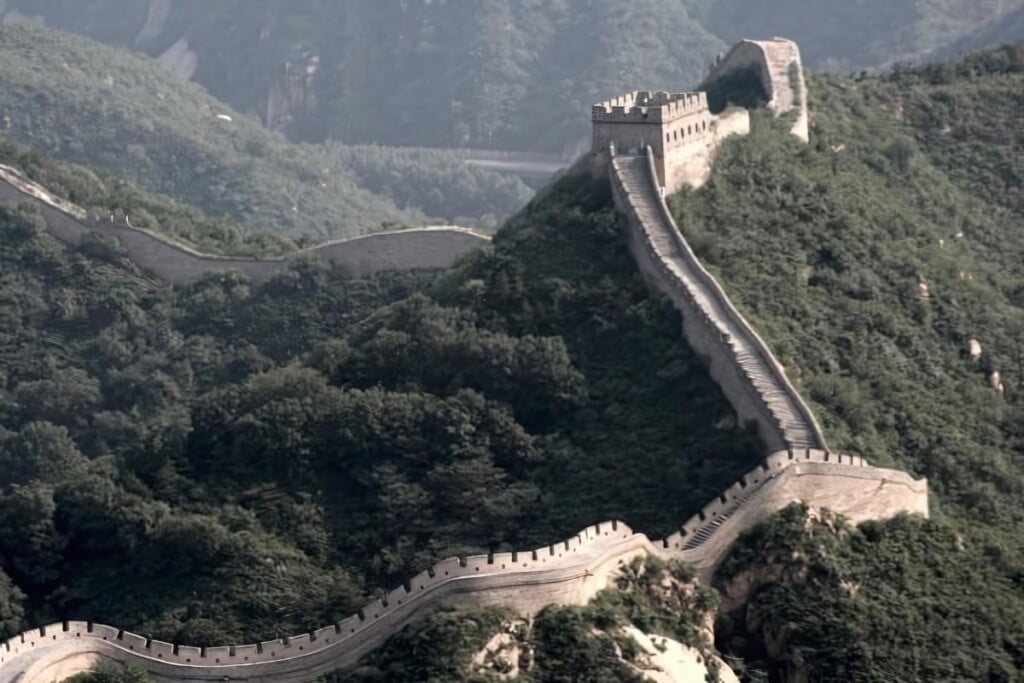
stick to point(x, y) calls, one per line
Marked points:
point(102, 194)
point(260, 483)
point(872, 257)
point(87, 103)
point(870, 260)
point(824, 247)
point(845, 36)
point(442, 74)
point(807, 597)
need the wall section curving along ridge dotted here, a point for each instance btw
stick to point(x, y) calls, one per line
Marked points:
point(411, 249)
point(570, 572)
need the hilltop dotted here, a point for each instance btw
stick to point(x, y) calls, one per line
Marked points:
point(342, 457)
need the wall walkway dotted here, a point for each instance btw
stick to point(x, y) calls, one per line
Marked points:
point(739, 360)
point(570, 572)
point(163, 257)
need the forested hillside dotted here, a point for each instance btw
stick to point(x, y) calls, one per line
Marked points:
point(298, 473)
point(88, 103)
point(171, 463)
point(103, 194)
point(1006, 29)
point(883, 263)
point(846, 36)
point(909, 179)
point(501, 73)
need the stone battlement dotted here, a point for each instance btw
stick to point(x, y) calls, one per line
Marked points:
point(568, 572)
point(642, 106)
point(678, 127)
point(777, 64)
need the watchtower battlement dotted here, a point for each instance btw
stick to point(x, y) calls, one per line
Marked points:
point(679, 129)
point(643, 106)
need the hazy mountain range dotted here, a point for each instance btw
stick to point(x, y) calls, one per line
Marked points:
point(491, 74)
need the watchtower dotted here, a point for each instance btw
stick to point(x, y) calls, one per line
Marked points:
point(676, 126)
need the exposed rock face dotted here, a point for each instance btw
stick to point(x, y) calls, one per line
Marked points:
point(292, 93)
point(501, 655)
point(974, 349)
point(745, 613)
point(665, 660)
point(180, 60)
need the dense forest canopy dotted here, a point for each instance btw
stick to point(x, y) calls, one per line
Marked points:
point(399, 421)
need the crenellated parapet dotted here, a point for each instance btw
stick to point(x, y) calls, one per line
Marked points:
point(568, 572)
point(678, 127)
point(642, 106)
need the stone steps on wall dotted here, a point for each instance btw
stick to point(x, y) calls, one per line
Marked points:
point(708, 529)
point(634, 175)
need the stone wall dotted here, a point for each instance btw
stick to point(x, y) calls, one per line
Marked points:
point(738, 359)
point(690, 164)
point(842, 483)
point(777, 64)
point(679, 129)
point(569, 572)
point(162, 257)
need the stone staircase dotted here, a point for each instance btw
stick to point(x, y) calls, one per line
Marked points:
point(799, 431)
point(712, 525)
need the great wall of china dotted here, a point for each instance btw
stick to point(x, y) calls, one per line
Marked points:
point(571, 572)
point(172, 261)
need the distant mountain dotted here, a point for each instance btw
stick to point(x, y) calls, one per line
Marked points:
point(851, 35)
point(88, 103)
point(493, 74)
point(1006, 30)
point(496, 74)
